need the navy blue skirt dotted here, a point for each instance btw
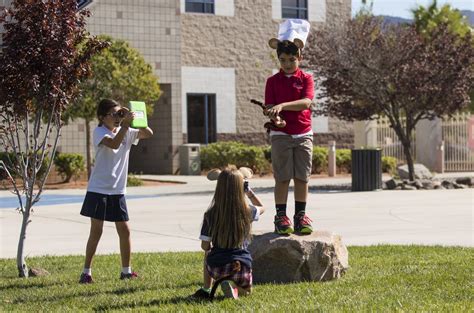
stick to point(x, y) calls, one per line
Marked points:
point(111, 208)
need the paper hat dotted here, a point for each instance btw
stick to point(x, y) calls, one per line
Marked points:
point(294, 30)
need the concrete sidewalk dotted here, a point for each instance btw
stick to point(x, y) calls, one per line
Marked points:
point(168, 217)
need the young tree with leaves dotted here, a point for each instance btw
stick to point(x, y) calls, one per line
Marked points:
point(427, 19)
point(370, 70)
point(119, 72)
point(40, 66)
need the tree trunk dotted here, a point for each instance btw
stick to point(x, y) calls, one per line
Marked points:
point(88, 149)
point(20, 256)
point(409, 158)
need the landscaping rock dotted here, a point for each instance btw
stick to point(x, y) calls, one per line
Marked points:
point(36, 272)
point(447, 184)
point(429, 184)
point(392, 184)
point(421, 172)
point(408, 187)
point(468, 181)
point(459, 186)
point(320, 256)
point(418, 184)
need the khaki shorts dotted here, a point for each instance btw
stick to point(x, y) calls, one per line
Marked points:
point(292, 157)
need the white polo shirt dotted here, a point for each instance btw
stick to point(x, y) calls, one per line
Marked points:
point(109, 174)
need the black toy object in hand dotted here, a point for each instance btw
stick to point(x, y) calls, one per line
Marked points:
point(246, 186)
point(275, 123)
point(121, 113)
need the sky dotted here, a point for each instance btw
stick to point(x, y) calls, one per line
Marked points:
point(402, 8)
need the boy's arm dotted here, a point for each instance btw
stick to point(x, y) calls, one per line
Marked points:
point(297, 105)
point(144, 133)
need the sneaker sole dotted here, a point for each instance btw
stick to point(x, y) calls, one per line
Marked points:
point(228, 290)
point(305, 230)
point(285, 231)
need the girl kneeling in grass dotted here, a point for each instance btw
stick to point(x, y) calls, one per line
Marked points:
point(225, 234)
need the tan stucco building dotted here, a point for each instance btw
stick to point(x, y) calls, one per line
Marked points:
point(211, 57)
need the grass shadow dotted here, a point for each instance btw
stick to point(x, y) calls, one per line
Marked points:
point(155, 302)
point(27, 285)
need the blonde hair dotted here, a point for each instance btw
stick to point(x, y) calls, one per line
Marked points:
point(229, 216)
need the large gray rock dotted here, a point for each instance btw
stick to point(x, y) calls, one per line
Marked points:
point(320, 256)
point(421, 172)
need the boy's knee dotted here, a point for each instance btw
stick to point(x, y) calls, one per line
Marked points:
point(283, 182)
point(300, 181)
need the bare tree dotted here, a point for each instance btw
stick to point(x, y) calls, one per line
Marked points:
point(370, 70)
point(42, 59)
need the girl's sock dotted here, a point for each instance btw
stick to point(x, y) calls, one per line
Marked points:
point(208, 290)
point(300, 207)
point(281, 209)
point(87, 271)
point(127, 270)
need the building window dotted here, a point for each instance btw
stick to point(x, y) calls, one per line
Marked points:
point(82, 3)
point(294, 9)
point(201, 118)
point(200, 6)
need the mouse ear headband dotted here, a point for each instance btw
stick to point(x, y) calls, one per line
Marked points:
point(294, 30)
point(245, 171)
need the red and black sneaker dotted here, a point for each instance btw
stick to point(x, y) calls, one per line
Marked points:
point(283, 225)
point(131, 275)
point(303, 224)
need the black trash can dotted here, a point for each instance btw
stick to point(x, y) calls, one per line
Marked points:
point(366, 169)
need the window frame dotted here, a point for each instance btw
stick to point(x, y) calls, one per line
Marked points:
point(301, 7)
point(208, 6)
point(82, 4)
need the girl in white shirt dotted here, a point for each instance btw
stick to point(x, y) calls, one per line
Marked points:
point(105, 197)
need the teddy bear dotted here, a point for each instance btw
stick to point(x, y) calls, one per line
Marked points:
point(273, 124)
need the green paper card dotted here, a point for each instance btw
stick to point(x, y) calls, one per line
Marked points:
point(140, 120)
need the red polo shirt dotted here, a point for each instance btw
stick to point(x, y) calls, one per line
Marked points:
point(281, 88)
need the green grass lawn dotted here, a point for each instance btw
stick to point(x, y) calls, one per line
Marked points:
point(380, 278)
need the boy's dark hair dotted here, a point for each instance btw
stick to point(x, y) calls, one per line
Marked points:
point(288, 47)
point(104, 107)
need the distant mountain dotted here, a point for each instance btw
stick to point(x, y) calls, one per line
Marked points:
point(395, 19)
point(469, 15)
point(400, 20)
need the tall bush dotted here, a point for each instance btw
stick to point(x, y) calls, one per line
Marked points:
point(69, 165)
point(320, 159)
point(221, 154)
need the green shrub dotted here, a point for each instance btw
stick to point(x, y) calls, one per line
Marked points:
point(343, 160)
point(389, 164)
point(320, 159)
point(267, 152)
point(221, 154)
point(69, 165)
point(134, 181)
